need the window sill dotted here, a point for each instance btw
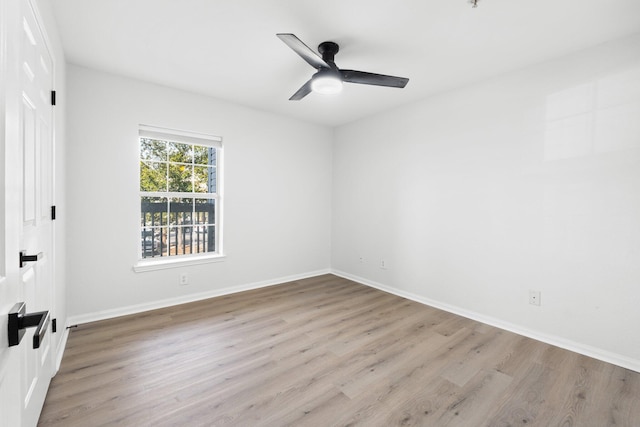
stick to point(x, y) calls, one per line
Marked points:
point(175, 262)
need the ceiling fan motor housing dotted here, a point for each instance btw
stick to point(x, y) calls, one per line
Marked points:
point(328, 51)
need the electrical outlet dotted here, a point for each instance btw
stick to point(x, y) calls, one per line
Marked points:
point(183, 279)
point(383, 264)
point(534, 297)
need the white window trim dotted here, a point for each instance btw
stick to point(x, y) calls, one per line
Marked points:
point(175, 135)
point(175, 261)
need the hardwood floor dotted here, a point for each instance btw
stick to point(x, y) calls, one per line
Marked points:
point(326, 351)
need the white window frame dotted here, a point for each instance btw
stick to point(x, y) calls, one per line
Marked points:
point(187, 137)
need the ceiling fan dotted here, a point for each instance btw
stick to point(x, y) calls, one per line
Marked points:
point(329, 78)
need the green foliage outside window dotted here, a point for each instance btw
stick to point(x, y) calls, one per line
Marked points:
point(171, 166)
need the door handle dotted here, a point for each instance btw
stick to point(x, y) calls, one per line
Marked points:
point(19, 320)
point(24, 258)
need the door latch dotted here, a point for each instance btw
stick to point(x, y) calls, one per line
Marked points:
point(19, 320)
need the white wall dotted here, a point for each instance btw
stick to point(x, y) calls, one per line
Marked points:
point(277, 206)
point(527, 181)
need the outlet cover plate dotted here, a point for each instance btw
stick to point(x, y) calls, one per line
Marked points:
point(183, 279)
point(534, 297)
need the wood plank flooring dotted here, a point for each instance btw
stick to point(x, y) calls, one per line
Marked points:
point(326, 351)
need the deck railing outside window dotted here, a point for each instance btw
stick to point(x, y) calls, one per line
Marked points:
point(184, 228)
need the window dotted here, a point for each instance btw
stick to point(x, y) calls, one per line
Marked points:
point(179, 193)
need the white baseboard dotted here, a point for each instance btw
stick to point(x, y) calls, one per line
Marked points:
point(576, 347)
point(139, 308)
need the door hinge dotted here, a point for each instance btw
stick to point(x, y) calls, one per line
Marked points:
point(53, 212)
point(54, 325)
point(53, 97)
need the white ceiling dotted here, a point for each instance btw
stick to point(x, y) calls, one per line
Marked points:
point(229, 49)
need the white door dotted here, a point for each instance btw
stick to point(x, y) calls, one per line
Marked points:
point(28, 199)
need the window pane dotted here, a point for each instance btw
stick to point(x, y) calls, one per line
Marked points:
point(204, 180)
point(152, 149)
point(172, 237)
point(204, 211)
point(181, 220)
point(147, 242)
point(213, 180)
point(153, 211)
point(180, 178)
point(180, 211)
point(153, 176)
point(203, 239)
point(201, 155)
point(184, 240)
point(163, 233)
point(152, 242)
point(180, 153)
point(211, 238)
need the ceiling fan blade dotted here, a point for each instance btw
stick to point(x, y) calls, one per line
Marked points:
point(353, 76)
point(303, 50)
point(302, 92)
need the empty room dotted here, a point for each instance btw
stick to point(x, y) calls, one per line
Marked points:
point(293, 213)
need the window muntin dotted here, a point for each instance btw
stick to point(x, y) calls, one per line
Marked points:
point(179, 193)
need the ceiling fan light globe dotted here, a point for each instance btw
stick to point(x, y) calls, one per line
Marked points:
point(326, 84)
